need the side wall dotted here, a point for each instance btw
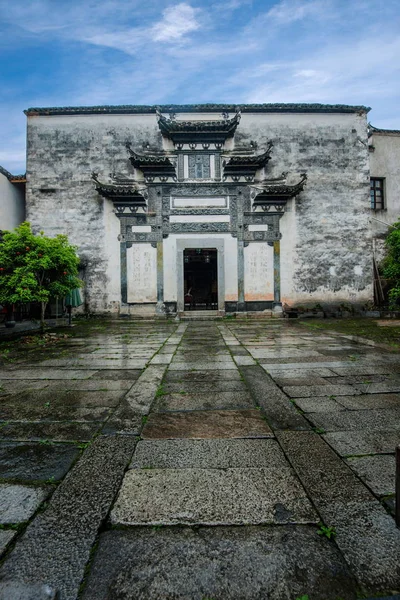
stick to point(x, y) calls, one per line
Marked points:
point(385, 162)
point(12, 204)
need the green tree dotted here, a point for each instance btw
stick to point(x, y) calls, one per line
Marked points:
point(35, 268)
point(391, 264)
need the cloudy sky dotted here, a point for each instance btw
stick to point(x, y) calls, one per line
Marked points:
point(90, 52)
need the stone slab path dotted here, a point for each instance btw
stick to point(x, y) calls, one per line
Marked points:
point(205, 460)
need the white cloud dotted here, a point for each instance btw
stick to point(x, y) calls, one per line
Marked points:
point(177, 21)
point(289, 11)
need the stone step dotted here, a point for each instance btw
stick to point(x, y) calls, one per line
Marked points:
point(200, 315)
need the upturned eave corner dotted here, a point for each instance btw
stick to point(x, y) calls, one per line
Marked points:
point(123, 193)
point(152, 165)
point(267, 195)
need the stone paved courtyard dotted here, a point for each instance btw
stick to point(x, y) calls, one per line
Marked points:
point(199, 460)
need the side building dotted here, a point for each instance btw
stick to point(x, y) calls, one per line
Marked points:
point(12, 200)
point(207, 206)
point(384, 147)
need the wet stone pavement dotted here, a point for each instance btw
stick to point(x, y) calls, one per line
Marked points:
point(201, 460)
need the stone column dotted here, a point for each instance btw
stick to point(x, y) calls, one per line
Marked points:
point(124, 281)
point(277, 277)
point(160, 307)
point(241, 306)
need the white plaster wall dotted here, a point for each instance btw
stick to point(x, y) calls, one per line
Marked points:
point(230, 264)
point(258, 272)
point(385, 162)
point(141, 273)
point(326, 248)
point(12, 204)
point(62, 153)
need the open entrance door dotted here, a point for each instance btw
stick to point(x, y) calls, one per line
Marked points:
point(200, 279)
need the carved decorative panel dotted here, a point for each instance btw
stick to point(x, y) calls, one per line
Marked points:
point(199, 166)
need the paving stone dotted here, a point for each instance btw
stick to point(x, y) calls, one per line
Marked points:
point(20, 411)
point(124, 420)
point(238, 351)
point(365, 369)
point(203, 387)
point(189, 358)
point(60, 432)
point(161, 359)
point(303, 391)
point(38, 373)
point(203, 401)
point(71, 398)
point(318, 404)
point(96, 363)
point(366, 535)
point(13, 387)
point(377, 388)
point(280, 364)
point(281, 413)
point(202, 366)
point(141, 395)
point(229, 563)
point(370, 542)
point(347, 443)
point(324, 475)
point(119, 375)
point(309, 373)
point(208, 454)
point(283, 353)
point(207, 424)
point(19, 591)
point(204, 375)
point(36, 462)
point(244, 360)
point(298, 381)
point(6, 536)
point(56, 545)
point(92, 385)
point(19, 502)
point(368, 401)
point(377, 472)
point(374, 420)
point(211, 497)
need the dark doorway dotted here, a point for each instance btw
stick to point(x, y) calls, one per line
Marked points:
point(200, 278)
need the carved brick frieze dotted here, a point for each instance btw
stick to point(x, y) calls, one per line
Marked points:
point(200, 211)
point(199, 190)
point(199, 227)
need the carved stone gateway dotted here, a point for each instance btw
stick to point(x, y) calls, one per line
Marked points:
point(239, 195)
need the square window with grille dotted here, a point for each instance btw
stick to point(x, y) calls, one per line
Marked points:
point(376, 192)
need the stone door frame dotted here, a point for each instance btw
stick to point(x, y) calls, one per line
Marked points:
point(183, 244)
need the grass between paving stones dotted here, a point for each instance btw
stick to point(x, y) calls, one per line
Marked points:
point(362, 327)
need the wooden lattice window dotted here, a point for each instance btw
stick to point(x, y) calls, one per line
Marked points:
point(377, 194)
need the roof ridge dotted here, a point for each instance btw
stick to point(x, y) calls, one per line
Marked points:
point(210, 107)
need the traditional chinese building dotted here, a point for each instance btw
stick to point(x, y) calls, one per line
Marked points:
point(207, 207)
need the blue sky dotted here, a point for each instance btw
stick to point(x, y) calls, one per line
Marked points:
point(89, 52)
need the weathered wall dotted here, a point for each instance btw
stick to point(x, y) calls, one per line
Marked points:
point(61, 197)
point(12, 204)
point(326, 245)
